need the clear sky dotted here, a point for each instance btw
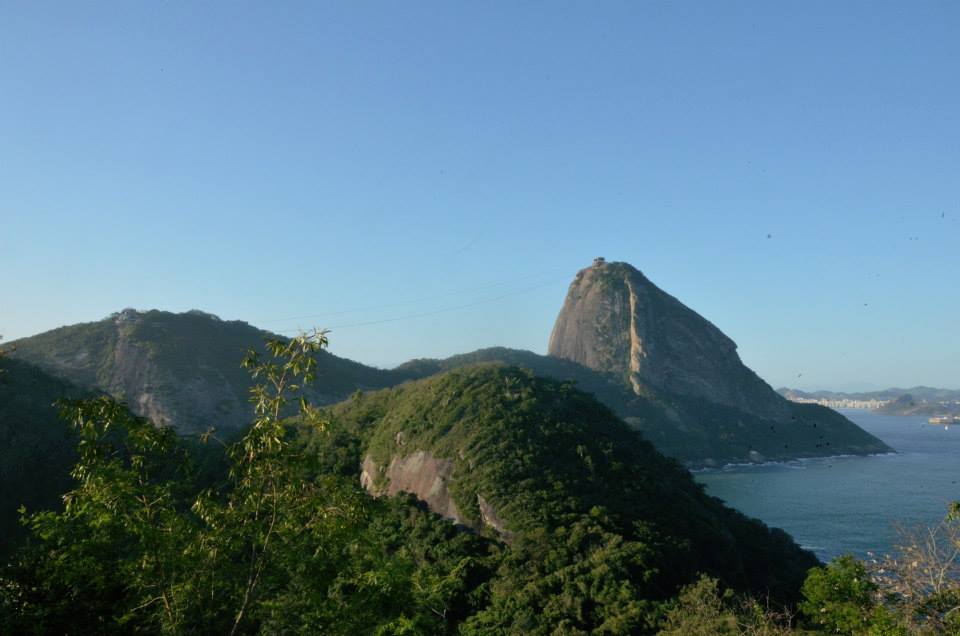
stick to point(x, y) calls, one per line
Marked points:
point(442, 170)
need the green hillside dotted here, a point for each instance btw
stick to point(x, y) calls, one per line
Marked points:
point(569, 522)
point(551, 462)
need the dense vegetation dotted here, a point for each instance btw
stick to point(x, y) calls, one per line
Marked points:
point(36, 449)
point(274, 546)
point(603, 534)
point(547, 456)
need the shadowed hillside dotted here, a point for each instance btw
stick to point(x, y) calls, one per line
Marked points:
point(37, 449)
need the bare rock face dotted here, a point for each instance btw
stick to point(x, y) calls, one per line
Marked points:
point(181, 370)
point(131, 375)
point(427, 477)
point(616, 321)
point(490, 517)
point(419, 474)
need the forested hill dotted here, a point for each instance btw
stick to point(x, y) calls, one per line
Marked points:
point(182, 370)
point(567, 522)
point(549, 469)
point(37, 448)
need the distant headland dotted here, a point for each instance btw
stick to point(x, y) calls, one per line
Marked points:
point(919, 400)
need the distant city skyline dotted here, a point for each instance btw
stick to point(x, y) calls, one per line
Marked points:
point(427, 179)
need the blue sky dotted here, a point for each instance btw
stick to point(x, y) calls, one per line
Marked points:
point(441, 170)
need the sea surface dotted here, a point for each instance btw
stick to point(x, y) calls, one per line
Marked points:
point(844, 504)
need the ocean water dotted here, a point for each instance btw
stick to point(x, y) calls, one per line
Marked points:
point(844, 504)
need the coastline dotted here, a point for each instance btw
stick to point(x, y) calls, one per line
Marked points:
point(701, 468)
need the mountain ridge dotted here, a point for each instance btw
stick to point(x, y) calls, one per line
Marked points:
point(918, 400)
point(661, 367)
point(181, 369)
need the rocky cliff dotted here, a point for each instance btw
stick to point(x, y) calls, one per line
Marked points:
point(420, 474)
point(615, 320)
point(181, 370)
